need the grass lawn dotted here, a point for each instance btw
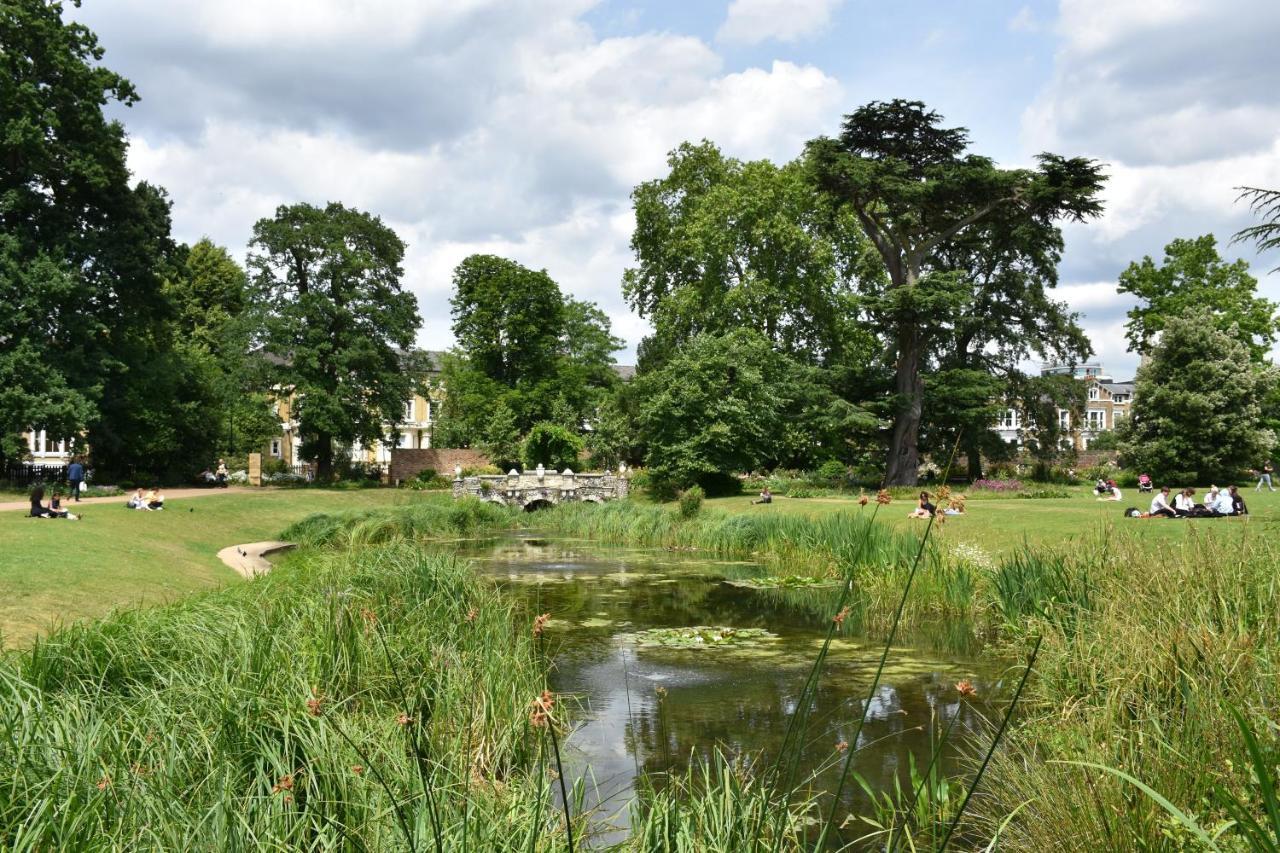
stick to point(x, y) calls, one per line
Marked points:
point(54, 571)
point(1001, 524)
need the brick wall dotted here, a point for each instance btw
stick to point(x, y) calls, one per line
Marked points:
point(407, 463)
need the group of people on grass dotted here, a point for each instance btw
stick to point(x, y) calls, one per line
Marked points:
point(1218, 503)
point(53, 509)
point(148, 499)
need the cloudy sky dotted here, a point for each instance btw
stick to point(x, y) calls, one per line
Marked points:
point(519, 127)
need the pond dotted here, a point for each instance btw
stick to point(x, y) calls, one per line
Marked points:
point(652, 695)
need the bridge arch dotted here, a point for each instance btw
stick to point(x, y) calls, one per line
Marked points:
point(538, 503)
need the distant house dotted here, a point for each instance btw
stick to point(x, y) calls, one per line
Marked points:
point(1107, 403)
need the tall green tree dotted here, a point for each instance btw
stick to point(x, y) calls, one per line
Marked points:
point(722, 245)
point(1043, 401)
point(1194, 276)
point(327, 284)
point(1197, 403)
point(522, 343)
point(78, 245)
point(914, 191)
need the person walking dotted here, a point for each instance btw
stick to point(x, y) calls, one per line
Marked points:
point(1266, 476)
point(75, 476)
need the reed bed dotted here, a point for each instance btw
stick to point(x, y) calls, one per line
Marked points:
point(375, 699)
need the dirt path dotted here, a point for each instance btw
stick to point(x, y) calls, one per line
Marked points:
point(250, 559)
point(169, 494)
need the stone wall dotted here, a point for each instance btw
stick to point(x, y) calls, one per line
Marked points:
point(406, 463)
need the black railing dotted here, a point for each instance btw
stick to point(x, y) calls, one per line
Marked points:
point(23, 474)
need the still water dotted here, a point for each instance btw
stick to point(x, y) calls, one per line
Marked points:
point(648, 708)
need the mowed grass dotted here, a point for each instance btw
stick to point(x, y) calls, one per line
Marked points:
point(1001, 525)
point(56, 572)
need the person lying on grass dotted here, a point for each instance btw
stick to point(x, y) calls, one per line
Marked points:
point(923, 509)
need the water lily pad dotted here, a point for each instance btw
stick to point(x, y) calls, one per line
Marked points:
point(703, 637)
point(784, 582)
point(596, 622)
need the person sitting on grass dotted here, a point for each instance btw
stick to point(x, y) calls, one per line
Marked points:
point(1160, 505)
point(1101, 487)
point(1114, 492)
point(1223, 505)
point(766, 496)
point(138, 500)
point(1237, 501)
point(155, 499)
point(38, 509)
point(923, 509)
point(1185, 502)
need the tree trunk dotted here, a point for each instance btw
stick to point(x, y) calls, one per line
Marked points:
point(975, 458)
point(324, 457)
point(904, 450)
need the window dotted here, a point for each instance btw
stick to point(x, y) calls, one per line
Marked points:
point(1064, 419)
point(408, 412)
point(275, 447)
point(1097, 419)
point(406, 439)
point(1010, 419)
point(428, 418)
point(1093, 393)
point(1120, 398)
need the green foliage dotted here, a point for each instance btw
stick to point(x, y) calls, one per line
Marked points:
point(551, 446)
point(1197, 404)
point(523, 345)
point(429, 479)
point(1264, 204)
point(733, 403)
point(1040, 399)
point(690, 502)
point(724, 245)
point(327, 286)
point(933, 212)
point(1107, 440)
point(501, 438)
point(277, 702)
point(1195, 278)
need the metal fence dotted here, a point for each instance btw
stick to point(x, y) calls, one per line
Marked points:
point(21, 474)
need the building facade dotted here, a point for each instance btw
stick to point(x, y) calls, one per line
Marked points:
point(1107, 404)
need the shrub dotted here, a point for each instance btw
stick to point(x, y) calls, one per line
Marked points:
point(832, 471)
point(551, 445)
point(482, 471)
point(800, 492)
point(429, 479)
point(691, 501)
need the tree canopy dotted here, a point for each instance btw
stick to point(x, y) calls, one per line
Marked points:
point(916, 193)
point(524, 346)
point(1197, 404)
point(334, 316)
point(1194, 276)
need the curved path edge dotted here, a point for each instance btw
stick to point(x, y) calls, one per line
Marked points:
point(250, 559)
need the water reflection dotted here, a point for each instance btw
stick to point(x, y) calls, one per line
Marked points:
point(653, 710)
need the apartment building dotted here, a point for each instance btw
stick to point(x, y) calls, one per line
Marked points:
point(1107, 404)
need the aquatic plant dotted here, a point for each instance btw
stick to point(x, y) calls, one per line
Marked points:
point(702, 637)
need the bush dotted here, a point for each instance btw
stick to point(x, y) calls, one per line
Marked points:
point(551, 445)
point(832, 471)
point(691, 502)
point(998, 485)
point(482, 471)
point(429, 479)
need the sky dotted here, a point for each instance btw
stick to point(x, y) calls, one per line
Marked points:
point(519, 128)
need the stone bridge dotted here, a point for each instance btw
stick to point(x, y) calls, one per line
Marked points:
point(535, 489)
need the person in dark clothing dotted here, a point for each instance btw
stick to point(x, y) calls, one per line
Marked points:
point(1237, 502)
point(923, 509)
point(75, 476)
point(38, 509)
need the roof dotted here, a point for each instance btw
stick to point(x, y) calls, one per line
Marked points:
point(1118, 387)
point(625, 372)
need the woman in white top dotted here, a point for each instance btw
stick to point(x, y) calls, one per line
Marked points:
point(1160, 504)
point(1113, 495)
point(1184, 502)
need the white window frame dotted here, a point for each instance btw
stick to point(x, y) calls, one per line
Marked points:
point(1064, 419)
point(1096, 423)
point(276, 448)
point(1094, 393)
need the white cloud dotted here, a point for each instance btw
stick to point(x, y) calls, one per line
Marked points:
point(1177, 98)
point(754, 21)
point(526, 142)
point(1024, 21)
